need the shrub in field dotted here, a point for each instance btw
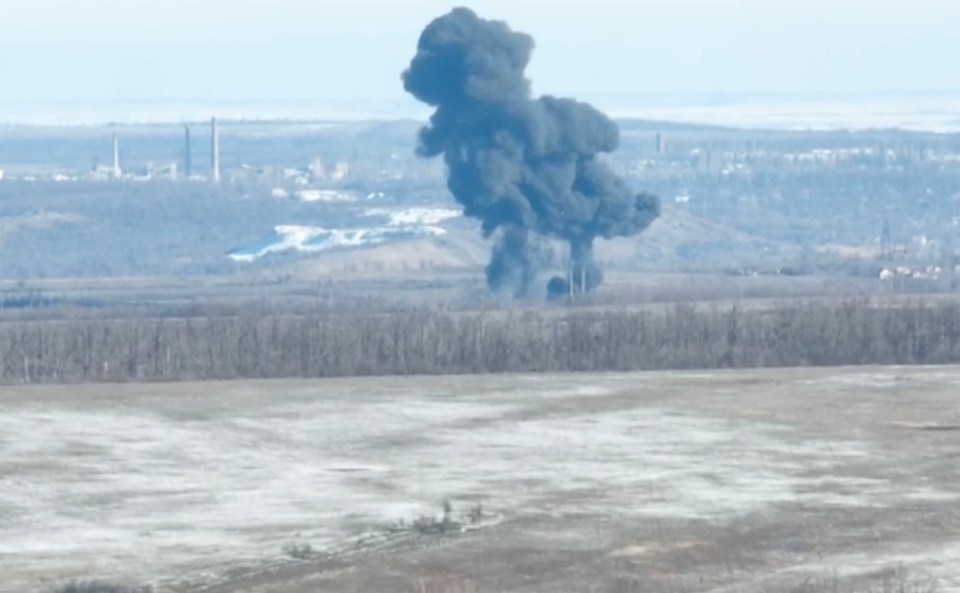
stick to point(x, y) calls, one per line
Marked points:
point(298, 551)
point(96, 586)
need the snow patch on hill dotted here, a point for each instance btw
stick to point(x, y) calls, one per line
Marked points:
point(414, 216)
point(312, 239)
point(396, 225)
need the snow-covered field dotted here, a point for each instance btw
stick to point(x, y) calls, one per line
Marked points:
point(169, 484)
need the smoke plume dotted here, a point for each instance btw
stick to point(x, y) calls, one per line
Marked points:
point(524, 167)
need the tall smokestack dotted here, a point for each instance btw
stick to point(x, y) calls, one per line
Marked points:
point(187, 157)
point(116, 157)
point(661, 144)
point(214, 151)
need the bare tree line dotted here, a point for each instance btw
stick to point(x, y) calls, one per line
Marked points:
point(262, 345)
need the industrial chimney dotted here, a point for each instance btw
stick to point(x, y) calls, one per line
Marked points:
point(214, 151)
point(187, 157)
point(116, 157)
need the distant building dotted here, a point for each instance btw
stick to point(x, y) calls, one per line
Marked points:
point(341, 171)
point(102, 173)
point(162, 171)
point(317, 171)
point(296, 176)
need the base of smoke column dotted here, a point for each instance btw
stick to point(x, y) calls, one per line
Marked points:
point(582, 279)
point(560, 289)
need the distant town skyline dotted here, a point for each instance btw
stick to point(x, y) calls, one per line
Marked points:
point(74, 50)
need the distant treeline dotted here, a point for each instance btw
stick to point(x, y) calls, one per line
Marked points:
point(261, 345)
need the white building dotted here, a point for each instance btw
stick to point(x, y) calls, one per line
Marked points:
point(341, 171)
point(317, 171)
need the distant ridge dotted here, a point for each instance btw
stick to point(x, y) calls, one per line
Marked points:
point(928, 111)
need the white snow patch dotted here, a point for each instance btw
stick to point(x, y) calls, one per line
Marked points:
point(415, 216)
point(313, 239)
point(326, 195)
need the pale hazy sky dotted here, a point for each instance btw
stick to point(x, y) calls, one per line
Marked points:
point(300, 49)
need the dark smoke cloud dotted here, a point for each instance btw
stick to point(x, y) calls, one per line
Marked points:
point(520, 165)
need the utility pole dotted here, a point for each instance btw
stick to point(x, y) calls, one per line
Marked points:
point(214, 151)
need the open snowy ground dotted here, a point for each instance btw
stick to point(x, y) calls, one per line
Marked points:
point(758, 480)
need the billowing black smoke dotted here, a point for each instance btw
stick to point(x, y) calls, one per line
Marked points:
point(520, 165)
